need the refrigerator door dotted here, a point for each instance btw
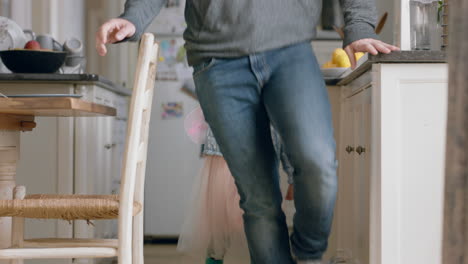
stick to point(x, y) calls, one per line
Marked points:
point(173, 159)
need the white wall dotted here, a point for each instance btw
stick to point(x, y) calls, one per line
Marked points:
point(60, 18)
point(21, 13)
point(119, 64)
point(70, 19)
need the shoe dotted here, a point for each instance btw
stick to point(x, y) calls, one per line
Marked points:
point(309, 262)
point(213, 261)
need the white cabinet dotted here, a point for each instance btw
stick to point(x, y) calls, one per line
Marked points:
point(391, 165)
point(352, 207)
point(99, 147)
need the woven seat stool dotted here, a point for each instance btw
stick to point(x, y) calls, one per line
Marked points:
point(127, 207)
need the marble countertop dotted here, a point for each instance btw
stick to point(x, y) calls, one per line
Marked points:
point(65, 78)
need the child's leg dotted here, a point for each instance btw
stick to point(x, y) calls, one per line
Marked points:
point(218, 195)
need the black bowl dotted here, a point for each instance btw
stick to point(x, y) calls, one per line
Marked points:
point(33, 61)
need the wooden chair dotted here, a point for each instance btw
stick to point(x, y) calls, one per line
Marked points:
point(127, 206)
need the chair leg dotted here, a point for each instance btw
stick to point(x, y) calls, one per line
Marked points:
point(125, 252)
point(18, 224)
point(125, 241)
point(138, 257)
point(18, 236)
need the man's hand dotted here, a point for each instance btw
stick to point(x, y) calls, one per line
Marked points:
point(113, 31)
point(372, 46)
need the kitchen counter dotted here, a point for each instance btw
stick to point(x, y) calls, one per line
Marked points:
point(391, 151)
point(88, 87)
point(84, 79)
point(423, 56)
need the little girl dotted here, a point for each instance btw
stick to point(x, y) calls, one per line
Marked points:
point(214, 222)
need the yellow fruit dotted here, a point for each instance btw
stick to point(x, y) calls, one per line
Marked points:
point(329, 65)
point(342, 60)
point(338, 53)
point(358, 55)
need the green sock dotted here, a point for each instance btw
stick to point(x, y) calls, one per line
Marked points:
point(213, 261)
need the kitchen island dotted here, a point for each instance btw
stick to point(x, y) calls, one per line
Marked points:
point(391, 152)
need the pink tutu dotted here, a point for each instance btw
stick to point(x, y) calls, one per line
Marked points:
point(214, 223)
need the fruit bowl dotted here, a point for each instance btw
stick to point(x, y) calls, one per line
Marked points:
point(32, 61)
point(333, 72)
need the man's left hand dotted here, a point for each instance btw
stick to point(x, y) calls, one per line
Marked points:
point(372, 46)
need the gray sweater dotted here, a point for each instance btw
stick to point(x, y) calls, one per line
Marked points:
point(233, 28)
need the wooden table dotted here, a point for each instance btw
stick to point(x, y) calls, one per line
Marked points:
point(17, 115)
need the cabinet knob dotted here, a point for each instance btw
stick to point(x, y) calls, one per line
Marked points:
point(349, 149)
point(109, 146)
point(360, 150)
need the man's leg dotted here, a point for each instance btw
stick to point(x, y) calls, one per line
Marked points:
point(297, 102)
point(230, 98)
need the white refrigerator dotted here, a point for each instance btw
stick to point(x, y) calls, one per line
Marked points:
point(173, 160)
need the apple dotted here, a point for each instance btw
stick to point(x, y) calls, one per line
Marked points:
point(32, 45)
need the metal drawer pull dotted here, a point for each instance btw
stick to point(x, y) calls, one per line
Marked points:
point(109, 146)
point(360, 150)
point(349, 149)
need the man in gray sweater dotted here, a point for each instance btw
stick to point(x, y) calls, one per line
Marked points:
point(254, 66)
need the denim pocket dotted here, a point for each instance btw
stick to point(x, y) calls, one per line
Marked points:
point(203, 66)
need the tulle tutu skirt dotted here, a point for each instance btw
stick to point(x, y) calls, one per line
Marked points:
point(213, 225)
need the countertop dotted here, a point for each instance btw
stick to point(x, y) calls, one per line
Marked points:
point(394, 57)
point(65, 78)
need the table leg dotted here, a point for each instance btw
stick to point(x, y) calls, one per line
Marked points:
point(9, 156)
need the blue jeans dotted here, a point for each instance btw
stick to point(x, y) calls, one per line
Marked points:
point(240, 97)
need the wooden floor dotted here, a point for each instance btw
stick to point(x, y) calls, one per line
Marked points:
point(167, 254)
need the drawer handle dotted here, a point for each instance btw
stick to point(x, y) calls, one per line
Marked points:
point(360, 150)
point(109, 146)
point(349, 149)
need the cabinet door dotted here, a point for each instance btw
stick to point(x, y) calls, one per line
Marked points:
point(102, 166)
point(344, 207)
point(352, 209)
point(409, 135)
point(361, 176)
point(99, 144)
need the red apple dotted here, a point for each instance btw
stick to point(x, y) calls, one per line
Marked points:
point(32, 45)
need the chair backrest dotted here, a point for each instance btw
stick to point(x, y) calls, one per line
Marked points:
point(134, 162)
